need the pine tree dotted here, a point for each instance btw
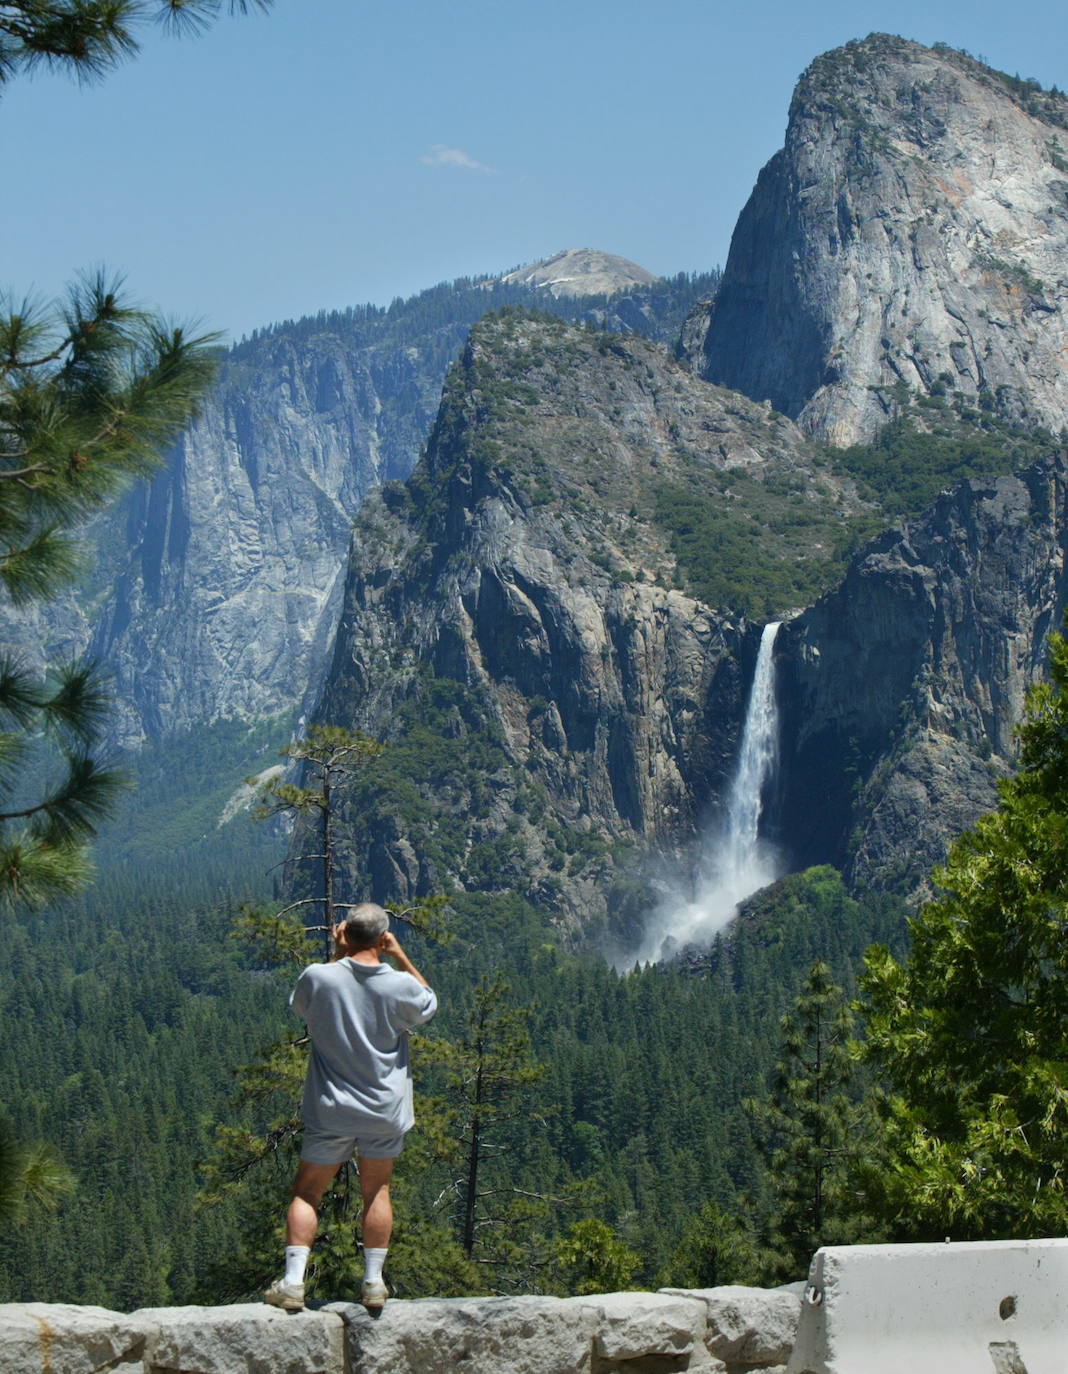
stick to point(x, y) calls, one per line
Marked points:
point(255, 1161)
point(807, 1125)
point(90, 391)
point(330, 757)
point(30, 1175)
point(490, 1070)
point(86, 401)
point(90, 37)
point(970, 1031)
point(591, 1258)
point(716, 1247)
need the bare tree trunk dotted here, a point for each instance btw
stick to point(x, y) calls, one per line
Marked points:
point(328, 869)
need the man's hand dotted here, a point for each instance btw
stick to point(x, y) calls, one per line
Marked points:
point(339, 940)
point(390, 946)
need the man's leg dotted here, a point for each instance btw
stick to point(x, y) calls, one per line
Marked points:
point(375, 1176)
point(302, 1219)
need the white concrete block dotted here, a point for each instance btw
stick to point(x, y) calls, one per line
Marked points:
point(991, 1307)
point(245, 1338)
point(59, 1338)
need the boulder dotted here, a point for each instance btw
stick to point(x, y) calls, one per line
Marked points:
point(526, 1335)
point(643, 1326)
point(59, 1338)
point(748, 1328)
point(246, 1338)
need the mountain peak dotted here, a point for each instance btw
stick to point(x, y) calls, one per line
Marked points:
point(581, 272)
point(910, 234)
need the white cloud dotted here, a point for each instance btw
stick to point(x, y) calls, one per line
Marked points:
point(441, 156)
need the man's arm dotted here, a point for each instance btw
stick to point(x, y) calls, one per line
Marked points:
point(390, 946)
point(298, 998)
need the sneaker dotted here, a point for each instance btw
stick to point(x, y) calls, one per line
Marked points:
point(288, 1296)
point(374, 1294)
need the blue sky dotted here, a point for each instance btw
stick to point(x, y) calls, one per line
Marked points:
point(333, 152)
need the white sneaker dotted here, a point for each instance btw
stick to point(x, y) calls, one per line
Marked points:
point(374, 1294)
point(288, 1296)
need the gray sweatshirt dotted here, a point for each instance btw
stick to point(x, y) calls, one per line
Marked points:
point(359, 1080)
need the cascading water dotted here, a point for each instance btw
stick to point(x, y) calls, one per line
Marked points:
point(736, 862)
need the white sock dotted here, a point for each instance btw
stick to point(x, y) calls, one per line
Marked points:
point(296, 1263)
point(373, 1261)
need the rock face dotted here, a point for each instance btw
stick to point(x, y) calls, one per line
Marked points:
point(914, 229)
point(231, 588)
point(581, 272)
point(524, 564)
point(901, 687)
point(215, 591)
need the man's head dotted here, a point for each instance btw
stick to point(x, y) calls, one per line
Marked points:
point(366, 925)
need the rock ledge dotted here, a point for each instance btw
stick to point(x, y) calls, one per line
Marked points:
point(714, 1331)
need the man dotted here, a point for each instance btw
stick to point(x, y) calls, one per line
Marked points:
point(358, 1089)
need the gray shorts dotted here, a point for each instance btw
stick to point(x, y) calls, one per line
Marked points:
point(323, 1147)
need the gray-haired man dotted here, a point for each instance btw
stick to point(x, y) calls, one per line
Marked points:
point(358, 1089)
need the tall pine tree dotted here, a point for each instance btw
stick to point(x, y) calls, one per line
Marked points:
point(807, 1124)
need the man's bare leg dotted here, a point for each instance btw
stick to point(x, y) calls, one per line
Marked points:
point(375, 1176)
point(302, 1219)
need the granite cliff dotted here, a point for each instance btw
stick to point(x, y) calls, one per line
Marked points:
point(902, 686)
point(518, 622)
point(912, 231)
point(214, 592)
point(554, 622)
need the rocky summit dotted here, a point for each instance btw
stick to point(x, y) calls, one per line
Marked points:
point(912, 232)
point(581, 272)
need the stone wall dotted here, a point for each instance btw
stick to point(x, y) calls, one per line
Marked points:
point(730, 1330)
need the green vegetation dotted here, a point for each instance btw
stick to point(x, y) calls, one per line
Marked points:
point(934, 442)
point(90, 390)
point(442, 316)
point(761, 546)
point(329, 758)
point(437, 782)
point(753, 546)
point(809, 1126)
point(155, 1006)
point(90, 37)
point(88, 395)
point(626, 1126)
point(30, 1176)
point(970, 1031)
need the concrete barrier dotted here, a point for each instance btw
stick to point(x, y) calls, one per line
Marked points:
point(988, 1307)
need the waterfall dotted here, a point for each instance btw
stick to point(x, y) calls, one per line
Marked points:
point(735, 861)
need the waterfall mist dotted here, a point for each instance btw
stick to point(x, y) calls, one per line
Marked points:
point(734, 861)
